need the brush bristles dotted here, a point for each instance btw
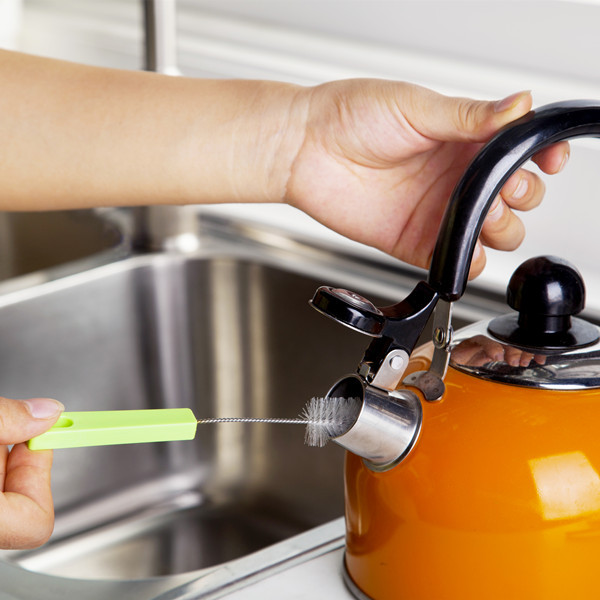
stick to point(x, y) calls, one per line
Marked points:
point(328, 418)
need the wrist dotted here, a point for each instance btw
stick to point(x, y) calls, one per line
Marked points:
point(273, 136)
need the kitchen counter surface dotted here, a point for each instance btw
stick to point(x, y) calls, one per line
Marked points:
point(315, 573)
point(320, 577)
point(306, 566)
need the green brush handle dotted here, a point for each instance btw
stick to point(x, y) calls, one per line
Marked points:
point(108, 427)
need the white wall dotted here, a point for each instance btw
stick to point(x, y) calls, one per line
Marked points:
point(480, 48)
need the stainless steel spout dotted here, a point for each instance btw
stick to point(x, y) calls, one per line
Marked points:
point(387, 426)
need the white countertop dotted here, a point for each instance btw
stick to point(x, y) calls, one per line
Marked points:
point(320, 577)
point(306, 566)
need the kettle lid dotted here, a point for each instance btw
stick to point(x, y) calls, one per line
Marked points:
point(542, 344)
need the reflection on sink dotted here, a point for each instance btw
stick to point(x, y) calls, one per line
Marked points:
point(224, 335)
point(32, 241)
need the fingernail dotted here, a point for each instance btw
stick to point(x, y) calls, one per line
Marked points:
point(44, 408)
point(565, 160)
point(496, 210)
point(521, 189)
point(510, 101)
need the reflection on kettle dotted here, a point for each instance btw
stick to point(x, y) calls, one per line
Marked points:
point(480, 350)
point(567, 484)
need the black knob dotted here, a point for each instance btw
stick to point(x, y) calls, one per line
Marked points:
point(546, 292)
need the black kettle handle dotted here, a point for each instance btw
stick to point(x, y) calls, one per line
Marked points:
point(485, 176)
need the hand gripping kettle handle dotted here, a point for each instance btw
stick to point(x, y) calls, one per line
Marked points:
point(486, 175)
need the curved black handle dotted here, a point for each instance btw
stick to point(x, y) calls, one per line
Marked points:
point(486, 175)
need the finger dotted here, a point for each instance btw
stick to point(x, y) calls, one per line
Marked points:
point(492, 349)
point(553, 159)
point(517, 358)
point(468, 350)
point(464, 355)
point(502, 229)
point(20, 420)
point(523, 190)
point(478, 261)
point(479, 360)
point(461, 119)
point(526, 359)
point(26, 509)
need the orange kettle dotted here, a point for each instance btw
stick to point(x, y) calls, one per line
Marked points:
point(473, 469)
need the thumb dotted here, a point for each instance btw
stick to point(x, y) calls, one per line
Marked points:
point(20, 420)
point(451, 119)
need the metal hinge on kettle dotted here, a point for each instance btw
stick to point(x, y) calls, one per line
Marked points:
point(389, 422)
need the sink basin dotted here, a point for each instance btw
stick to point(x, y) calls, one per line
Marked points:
point(35, 241)
point(226, 331)
point(221, 332)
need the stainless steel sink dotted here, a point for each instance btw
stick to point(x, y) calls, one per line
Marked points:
point(226, 331)
point(32, 242)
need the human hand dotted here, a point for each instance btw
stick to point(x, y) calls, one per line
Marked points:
point(26, 509)
point(380, 159)
point(480, 350)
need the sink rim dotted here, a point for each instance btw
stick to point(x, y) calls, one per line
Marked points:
point(211, 582)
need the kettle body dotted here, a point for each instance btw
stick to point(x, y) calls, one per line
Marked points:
point(499, 498)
